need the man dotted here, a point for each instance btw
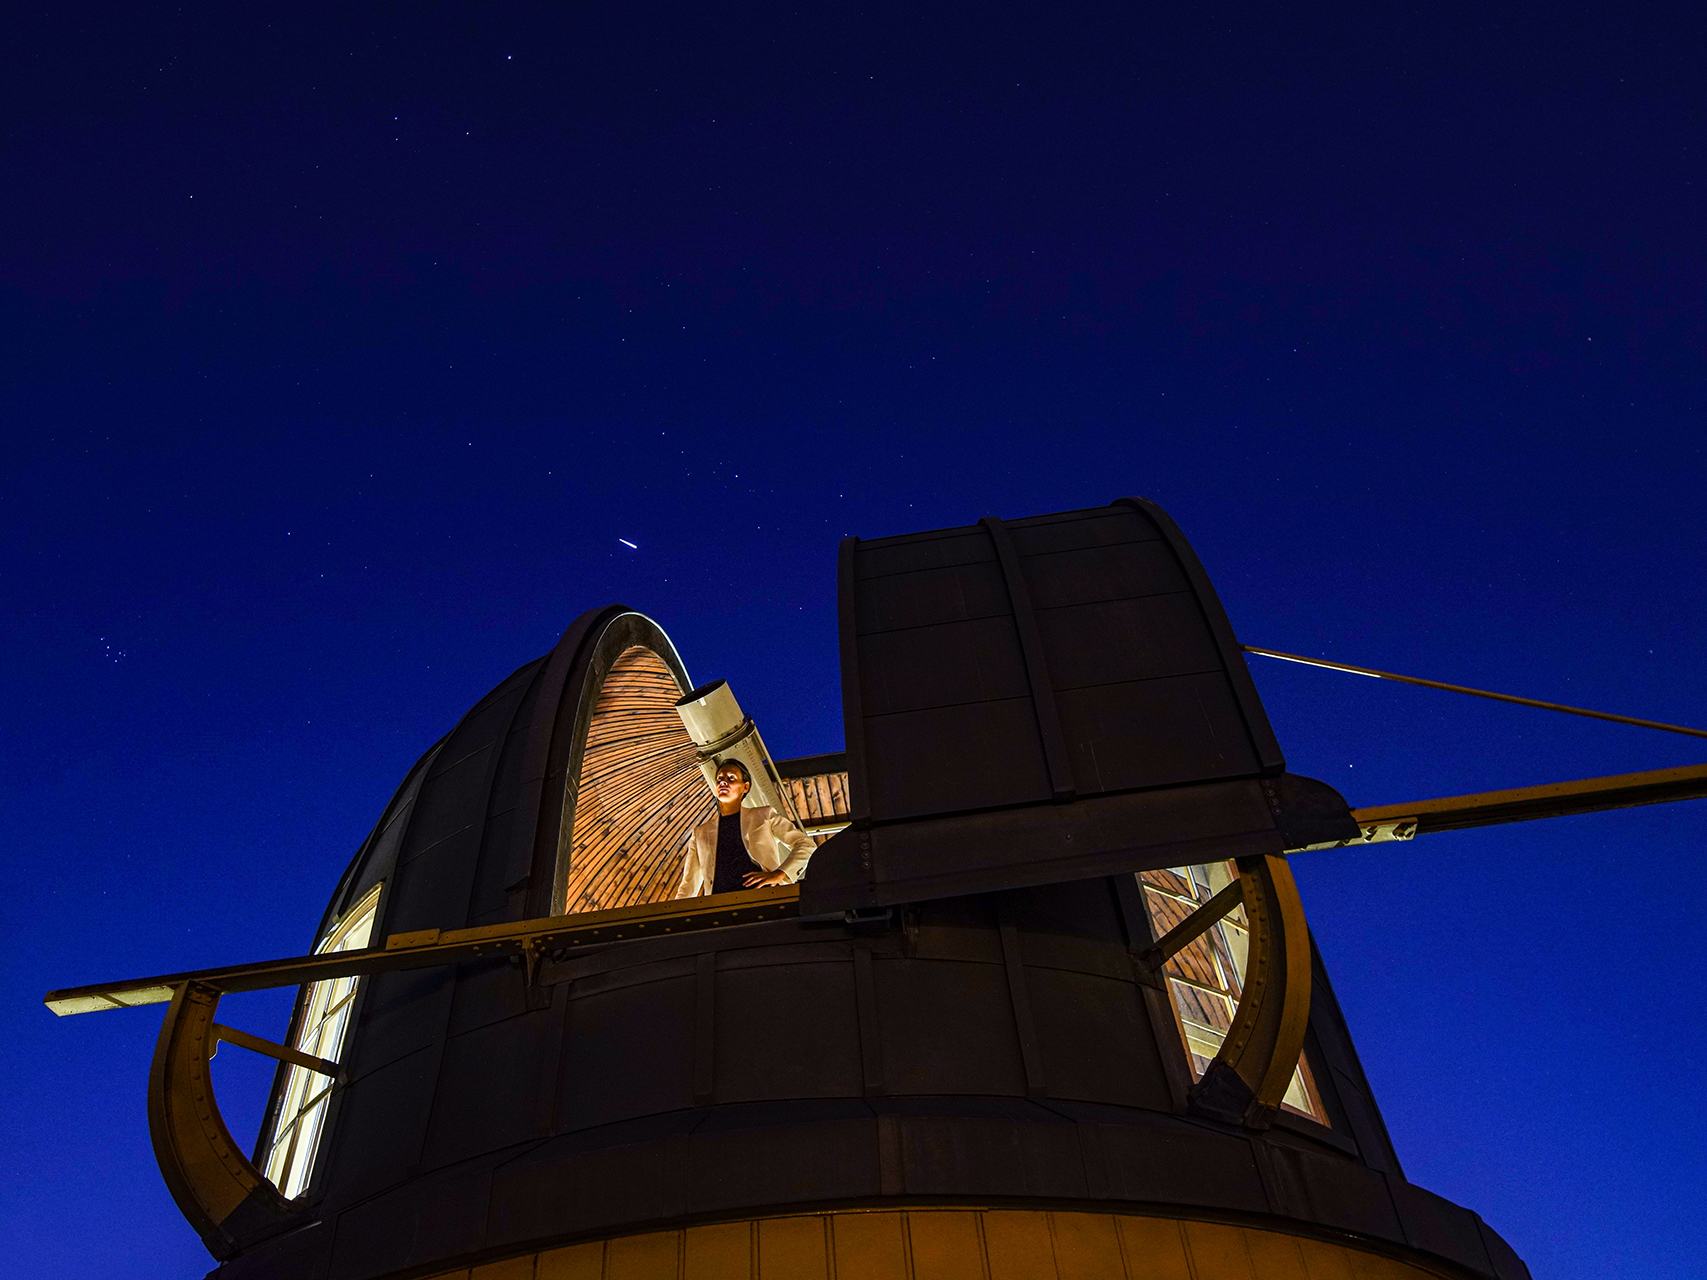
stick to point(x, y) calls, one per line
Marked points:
point(739, 848)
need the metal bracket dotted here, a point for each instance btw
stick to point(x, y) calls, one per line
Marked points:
point(243, 1040)
point(711, 750)
point(879, 916)
point(531, 954)
point(535, 993)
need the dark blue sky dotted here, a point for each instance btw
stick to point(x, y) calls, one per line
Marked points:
point(341, 347)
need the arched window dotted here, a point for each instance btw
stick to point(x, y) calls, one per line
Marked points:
point(1206, 978)
point(325, 1018)
point(638, 792)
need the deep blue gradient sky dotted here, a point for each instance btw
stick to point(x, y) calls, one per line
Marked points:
point(341, 346)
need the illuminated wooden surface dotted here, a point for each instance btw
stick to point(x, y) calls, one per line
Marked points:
point(821, 799)
point(639, 792)
point(952, 1244)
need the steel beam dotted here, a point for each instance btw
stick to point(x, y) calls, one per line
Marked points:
point(1378, 824)
point(454, 946)
point(223, 1034)
point(1525, 804)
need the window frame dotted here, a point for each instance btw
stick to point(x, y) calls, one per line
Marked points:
point(298, 1091)
point(1204, 880)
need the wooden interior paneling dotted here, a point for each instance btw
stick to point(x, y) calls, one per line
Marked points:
point(639, 792)
point(819, 796)
point(954, 1243)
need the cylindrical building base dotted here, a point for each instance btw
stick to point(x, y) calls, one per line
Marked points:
point(953, 1244)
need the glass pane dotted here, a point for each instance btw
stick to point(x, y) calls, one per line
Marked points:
point(302, 1103)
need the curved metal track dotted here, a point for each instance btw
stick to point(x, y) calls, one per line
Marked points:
point(1250, 1075)
point(223, 1195)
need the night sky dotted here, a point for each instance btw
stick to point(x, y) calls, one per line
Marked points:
point(343, 345)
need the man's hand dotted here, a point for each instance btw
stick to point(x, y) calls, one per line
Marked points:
point(764, 879)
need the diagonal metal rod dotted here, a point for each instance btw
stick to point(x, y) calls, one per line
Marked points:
point(1194, 926)
point(1476, 693)
point(284, 1053)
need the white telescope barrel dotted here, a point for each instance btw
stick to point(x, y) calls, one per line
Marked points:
point(710, 712)
point(718, 728)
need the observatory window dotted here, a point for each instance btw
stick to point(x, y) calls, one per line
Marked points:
point(639, 792)
point(1206, 978)
point(325, 1017)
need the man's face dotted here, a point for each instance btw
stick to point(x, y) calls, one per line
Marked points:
point(731, 786)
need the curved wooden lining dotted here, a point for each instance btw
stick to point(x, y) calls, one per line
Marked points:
point(556, 737)
point(819, 796)
point(638, 792)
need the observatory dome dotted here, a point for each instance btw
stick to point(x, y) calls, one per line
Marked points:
point(897, 1069)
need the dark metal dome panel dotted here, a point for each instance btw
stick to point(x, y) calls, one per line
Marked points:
point(1021, 661)
point(995, 1046)
point(1040, 699)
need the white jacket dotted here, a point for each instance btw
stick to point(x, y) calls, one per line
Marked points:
point(772, 841)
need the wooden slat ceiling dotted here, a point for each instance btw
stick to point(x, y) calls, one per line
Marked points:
point(823, 795)
point(640, 791)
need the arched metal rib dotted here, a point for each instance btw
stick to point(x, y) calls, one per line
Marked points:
point(1250, 1075)
point(223, 1195)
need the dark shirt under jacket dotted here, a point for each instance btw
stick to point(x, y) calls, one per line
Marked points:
point(733, 861)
